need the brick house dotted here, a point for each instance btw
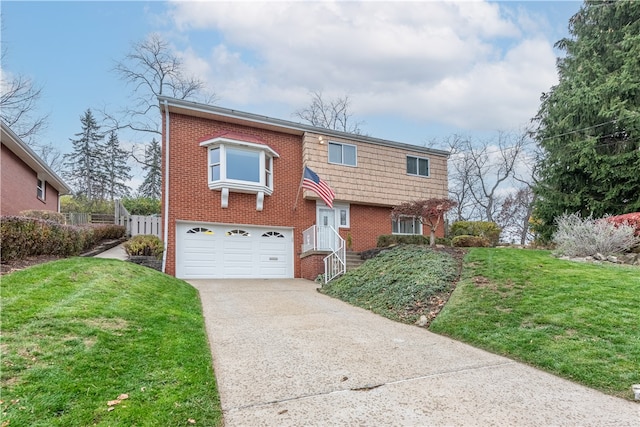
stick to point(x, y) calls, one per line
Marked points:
point(27, 182)
point(232, 202)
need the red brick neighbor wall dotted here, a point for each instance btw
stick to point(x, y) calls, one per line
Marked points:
point(192, 200)
point(19, 187)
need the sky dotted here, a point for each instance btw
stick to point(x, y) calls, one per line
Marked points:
point(415, 71)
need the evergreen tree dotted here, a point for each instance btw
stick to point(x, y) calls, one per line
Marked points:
point(83, 167)
point(152, 185)
point(589, 123)
point(116, 170)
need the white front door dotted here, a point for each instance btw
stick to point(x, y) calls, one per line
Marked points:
point(327, 228)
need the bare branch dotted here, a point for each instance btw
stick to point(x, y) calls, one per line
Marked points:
point(333, 114)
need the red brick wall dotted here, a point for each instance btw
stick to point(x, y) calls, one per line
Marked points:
point(369, 222)
point(311, 266)
point(19, 187)
point(192, 200)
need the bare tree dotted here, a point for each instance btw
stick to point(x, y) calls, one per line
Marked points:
point(51, 155)
point(330, 114)
point(492, 165)
point(460, 178)
point(18, 103)
point(151, 69)
point(515, 212)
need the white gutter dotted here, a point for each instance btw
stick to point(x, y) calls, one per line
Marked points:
point(166, 187)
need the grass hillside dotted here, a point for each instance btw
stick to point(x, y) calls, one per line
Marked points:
point(97, 342)
point(577, 320)
point(401, 284)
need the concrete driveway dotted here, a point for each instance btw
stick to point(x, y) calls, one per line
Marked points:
point(286, 355)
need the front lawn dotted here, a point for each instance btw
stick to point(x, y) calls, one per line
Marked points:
point(99, 342)
point(579, 321)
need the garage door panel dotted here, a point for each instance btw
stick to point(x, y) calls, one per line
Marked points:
point(232, 251)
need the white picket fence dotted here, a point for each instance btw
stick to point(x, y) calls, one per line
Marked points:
point(138, 224)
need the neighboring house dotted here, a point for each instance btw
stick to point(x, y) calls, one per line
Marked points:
point(27, 182)
point(233, 206)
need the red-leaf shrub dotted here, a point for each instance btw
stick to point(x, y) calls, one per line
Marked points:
point(632, 219)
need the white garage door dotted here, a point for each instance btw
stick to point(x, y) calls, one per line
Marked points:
point(223, 251)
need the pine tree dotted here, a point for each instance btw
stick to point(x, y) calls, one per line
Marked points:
point(83, 167)
point(589, 123)
point(152, 185)
point(115, 169)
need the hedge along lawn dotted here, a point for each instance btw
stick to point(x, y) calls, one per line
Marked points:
point(82, 333)
point(579, 321)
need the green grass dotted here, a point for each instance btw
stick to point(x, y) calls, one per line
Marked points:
point(397, 284)
point(579, 321)
point(79, 332)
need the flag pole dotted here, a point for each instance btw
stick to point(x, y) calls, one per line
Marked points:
point(295, 205)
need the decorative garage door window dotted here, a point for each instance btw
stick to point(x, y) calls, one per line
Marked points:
point(238, 232)
point(273, 234)
point(199, 230)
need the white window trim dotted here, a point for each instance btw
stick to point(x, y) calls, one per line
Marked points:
point(266, 156)
point(416, 221)
point(418, 167)
point(336, 208)
point(41, 189)
point(342, 144)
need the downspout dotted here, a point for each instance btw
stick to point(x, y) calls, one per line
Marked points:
point(165, 231)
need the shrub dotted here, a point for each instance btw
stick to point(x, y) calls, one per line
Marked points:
point(466, 241)
point(487, 229)
point(396, 239)
point(142, 206)
point(577, 236)
point(144, 245)
point(22, 237)
point(46, 215)
point(632, 219)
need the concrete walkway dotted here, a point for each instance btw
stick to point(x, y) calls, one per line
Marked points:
point(286, 355)
point(116, 252)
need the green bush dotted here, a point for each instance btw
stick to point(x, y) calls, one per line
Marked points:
point(142, 206)
point(444, 241)
point(466, 241)
point(47, 215)
point(396, 239)
point(144, 245)
point(487, 229)
point(23, 237)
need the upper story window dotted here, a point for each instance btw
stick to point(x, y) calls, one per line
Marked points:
point(342, 154)
point(406, 225)
point(41, 189)
point(240, 165)
point(418, 166)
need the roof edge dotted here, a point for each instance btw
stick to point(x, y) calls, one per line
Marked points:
point(33, 160)
point(289, 126)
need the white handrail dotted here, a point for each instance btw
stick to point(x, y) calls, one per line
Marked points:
point(335, 263)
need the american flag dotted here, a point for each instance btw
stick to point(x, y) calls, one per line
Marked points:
point(311, 181)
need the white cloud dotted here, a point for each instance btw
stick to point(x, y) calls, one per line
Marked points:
point(468, 64)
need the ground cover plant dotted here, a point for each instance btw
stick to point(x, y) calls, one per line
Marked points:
point(403, 283)
point(101, 342)
point(577, 320)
